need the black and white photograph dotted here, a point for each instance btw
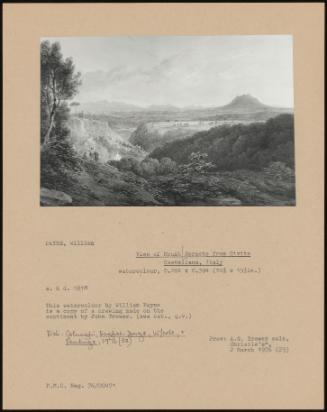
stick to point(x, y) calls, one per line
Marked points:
point(167, 121)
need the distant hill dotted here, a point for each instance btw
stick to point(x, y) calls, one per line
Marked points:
point(240, 146)
point(245, 102)
point(244, 107)
point(104, 107)
point(162, 108)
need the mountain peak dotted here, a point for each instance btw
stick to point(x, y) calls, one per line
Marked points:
point(245, 102)
point(246, 98)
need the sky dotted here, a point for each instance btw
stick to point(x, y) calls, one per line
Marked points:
point(183, 70)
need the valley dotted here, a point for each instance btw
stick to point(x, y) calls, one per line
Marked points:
point(238, 154)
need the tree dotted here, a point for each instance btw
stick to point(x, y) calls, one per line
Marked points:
point(167, 166)
point(150, 167)
point(198, 163)
point(59, 83)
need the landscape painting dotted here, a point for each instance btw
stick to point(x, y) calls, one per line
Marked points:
point(167, 121)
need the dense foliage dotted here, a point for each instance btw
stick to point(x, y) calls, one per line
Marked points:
point(250, 147)
point(146, 168)
point(59, 83)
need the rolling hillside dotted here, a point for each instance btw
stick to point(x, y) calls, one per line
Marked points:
point(240, 146)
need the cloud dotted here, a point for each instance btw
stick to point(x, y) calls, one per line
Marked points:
point(182, 70)
point(160, 71)
point(119, 75)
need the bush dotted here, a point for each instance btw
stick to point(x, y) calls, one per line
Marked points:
point(147, 167)
point(167, 166)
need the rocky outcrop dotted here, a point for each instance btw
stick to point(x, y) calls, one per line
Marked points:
point(54, 198)
point(95, 139)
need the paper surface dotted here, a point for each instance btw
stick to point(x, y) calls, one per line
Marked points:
point(140, 334)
